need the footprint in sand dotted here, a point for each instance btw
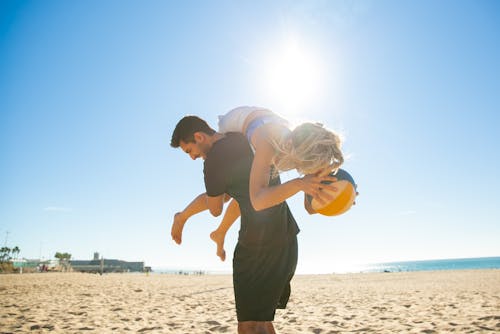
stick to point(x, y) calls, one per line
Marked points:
point(77, 313)
point(145, 329)
point(219, 329)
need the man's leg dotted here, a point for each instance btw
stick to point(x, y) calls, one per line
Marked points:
point(270, 327)
point(256, 327)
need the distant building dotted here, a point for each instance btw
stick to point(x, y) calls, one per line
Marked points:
point(106, 265)
point(36, 265)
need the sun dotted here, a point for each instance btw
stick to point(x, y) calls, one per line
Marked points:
point(292, 77)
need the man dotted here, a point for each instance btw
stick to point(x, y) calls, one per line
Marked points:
point(266, 254)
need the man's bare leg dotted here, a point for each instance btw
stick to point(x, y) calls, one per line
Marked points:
point(270, 327)
point(256, 327)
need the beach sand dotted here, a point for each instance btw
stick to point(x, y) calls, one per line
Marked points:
point(412, 302)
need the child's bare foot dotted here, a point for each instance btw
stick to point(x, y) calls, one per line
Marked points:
point(218, 238)
point(177, 227)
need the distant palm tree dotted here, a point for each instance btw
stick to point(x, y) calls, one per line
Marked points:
point(15, 251)
point(5, 257)
point(63, 256)
point(64, 260)
point(5, 254)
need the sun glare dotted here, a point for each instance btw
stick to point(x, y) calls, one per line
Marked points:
point(292, 77)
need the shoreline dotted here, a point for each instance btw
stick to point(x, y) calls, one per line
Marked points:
point(228, 273)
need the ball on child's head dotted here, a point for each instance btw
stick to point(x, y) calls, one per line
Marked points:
point(344, 196)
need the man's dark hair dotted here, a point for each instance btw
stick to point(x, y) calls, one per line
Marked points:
point(187, 127)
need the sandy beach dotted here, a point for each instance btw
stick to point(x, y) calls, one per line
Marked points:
point(412, 302)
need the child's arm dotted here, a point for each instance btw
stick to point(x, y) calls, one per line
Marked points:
point(264, 196)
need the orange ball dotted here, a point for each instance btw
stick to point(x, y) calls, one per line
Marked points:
point(344, 196)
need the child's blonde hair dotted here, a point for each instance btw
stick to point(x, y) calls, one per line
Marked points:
point(309, 148)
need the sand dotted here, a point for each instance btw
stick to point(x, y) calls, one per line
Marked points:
point(417, 302)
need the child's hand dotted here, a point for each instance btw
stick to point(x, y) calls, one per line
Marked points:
point(325, 171)
point(319, 187)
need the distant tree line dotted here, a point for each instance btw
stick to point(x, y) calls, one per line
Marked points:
point(6, 253)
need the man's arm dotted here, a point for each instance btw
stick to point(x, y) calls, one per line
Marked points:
point(215, 175)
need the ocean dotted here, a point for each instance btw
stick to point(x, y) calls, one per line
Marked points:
point(427, 265)
point(445, 264)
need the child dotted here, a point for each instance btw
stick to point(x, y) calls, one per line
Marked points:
point(310, 149)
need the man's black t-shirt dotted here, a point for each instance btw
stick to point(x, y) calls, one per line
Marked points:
point(227, 170)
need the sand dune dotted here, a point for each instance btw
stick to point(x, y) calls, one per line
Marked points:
point(418, 302)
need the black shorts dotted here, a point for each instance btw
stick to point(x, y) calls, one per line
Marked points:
point(261, 280)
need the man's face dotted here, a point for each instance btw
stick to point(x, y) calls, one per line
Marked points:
point(198, 149)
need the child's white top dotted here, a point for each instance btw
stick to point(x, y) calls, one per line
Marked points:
point(234, 120)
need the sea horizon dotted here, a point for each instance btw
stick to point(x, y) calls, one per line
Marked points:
point(492, 262)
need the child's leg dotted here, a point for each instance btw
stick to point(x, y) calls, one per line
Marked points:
point(232, 213)
point(199, 204)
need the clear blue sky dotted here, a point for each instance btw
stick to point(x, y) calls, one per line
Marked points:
point(90, 92)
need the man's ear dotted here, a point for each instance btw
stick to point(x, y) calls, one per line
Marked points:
point(199, 137)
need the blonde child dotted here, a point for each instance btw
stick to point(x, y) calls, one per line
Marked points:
point(311, 149)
